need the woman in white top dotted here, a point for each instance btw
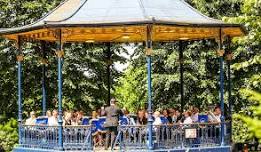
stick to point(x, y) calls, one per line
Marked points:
point(188, 119)
point(157, 120)
point(195, 113)
point(53, 121)
point(32, 119)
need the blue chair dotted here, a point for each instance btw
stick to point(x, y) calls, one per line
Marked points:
point(124, 120)
point(95, 123)
point(164, 120)
point(100, 124)
point(42, 120)
point(85, 121)
point(203, 118)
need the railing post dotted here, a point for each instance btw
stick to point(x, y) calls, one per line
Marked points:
point(19, 85)
point(148, 58)
point(44, 63)
point(221, 53)
point(60, 55)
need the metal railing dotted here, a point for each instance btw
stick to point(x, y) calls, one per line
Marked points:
point(129, 138)
point(175, 136)
point(46, 137)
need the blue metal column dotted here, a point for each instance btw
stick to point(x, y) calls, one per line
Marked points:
point(19, 85)
point(181, 70)
point(229, 57)
point(109, 63)
point(221, 62)
point(60, 55)
point(44, 62)
point(148, 58)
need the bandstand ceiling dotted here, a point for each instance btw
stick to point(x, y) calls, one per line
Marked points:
point(123, 21)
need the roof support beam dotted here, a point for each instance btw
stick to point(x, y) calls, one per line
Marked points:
point(43, 62)
point(148, 58)
point(60, 55)
point(221, 81)
point(181, 71)
point(19, 86)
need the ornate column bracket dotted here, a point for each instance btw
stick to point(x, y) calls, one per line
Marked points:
point(220, 52)
point(149, 51)
point(20, 57)
point(44, 61)
point(59, 53)
point(229, 56)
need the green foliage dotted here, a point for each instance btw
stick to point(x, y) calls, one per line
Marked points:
point(8, 135)
point(201, 65)
point(240, 131)
point(253, 122)
point(131, 91)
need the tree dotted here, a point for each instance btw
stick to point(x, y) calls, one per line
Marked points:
point(131, 91)
point(253, 122)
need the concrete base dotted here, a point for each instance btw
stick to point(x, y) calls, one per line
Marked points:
point(198, 149)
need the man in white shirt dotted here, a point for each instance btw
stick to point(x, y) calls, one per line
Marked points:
point(32, 119)
point(53, 121)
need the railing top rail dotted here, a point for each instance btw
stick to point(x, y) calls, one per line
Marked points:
point(179, 124)
point(66, 126)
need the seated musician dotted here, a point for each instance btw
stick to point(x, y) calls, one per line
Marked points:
point(125, 119)
point(32, 119)
point(172, 115)
point(179, 117)
point(195, 113)
point(215, 117)
point(67, 118)
point(97, 137)
point(53, 121)
point(187, 119)
point(77, 117)
point(48, 114)
point(167, 119)
point(141, 120)
point(157, 120)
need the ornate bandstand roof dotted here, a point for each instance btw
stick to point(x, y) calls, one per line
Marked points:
point(123, 20)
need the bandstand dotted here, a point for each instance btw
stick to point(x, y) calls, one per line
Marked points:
point(120, 21)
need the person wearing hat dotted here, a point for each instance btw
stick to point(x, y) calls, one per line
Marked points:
point(112, 114)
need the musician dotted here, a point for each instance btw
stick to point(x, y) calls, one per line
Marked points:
point(112, 114)
point(215, 116)
point(32, 119)
point(53, 121)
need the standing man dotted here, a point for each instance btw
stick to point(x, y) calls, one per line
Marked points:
point(112, 121)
